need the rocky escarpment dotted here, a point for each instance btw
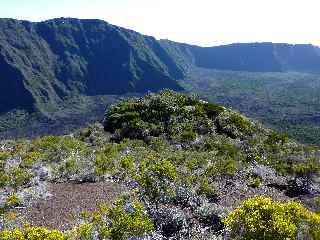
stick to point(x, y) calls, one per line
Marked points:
point(44, 62)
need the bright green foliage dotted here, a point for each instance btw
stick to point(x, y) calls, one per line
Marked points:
point(263, 219)
point(18, 177)
point(12, 200)
point(164, 169)
point(32, 233)
point(82, 232)
point(128, 224)
point(30, 159)
point(104, 161)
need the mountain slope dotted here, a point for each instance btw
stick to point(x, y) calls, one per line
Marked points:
point(47, 61)
point(251, 57)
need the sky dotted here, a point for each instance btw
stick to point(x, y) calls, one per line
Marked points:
point(199, 22)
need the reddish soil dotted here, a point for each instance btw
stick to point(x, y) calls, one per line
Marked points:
point(67, 198)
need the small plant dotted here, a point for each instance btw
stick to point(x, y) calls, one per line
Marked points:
point(240, 122)
point(3, 157)
point(19, 177)
point(227, 166)
point(30, 159)
point(12, 201)
point(255, 182)
point(188, 135)
point(212, 110)
point(127, 164)
point(206, 189)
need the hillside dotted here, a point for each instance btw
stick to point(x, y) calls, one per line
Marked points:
point(163, 166)
point(249, 57)
point(54, 71)
point(45, 62)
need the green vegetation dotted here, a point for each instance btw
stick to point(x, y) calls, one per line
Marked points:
point(121, 224)
point(286, 101)
point(181, 158)
point(261, 218)
point(32, 233)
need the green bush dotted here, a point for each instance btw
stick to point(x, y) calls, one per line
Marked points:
point(240, 122)
point(261, 218)
point(166, 112)
point(255, 182)
point(212, 110)
point(206, 189)
point(32, 233)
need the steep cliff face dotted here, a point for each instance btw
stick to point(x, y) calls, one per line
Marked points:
point(251, 57)
point(47, 61)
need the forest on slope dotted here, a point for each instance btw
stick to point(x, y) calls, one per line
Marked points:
point(56, 70)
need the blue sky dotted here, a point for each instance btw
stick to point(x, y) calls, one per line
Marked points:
point(201, 22)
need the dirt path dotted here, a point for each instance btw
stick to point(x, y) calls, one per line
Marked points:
point(67, 198)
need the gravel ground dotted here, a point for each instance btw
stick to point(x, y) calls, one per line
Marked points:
point(66, 199)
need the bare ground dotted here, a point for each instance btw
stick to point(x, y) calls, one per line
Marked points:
point(67, 198)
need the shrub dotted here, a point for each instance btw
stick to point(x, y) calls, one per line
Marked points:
point(19, 177)
point(276, 138)
point(255, 182)
point(188, 135)
point(206, 189)
point(240, 122)
point(32, 233)
point(125, 219)
point(104, 159)
point(3, 157)
point(156, 177)
point(30, 159)
point(261, 218)
point(12, 200)
point(212, 110)
point(227, 166)
point(166, 112)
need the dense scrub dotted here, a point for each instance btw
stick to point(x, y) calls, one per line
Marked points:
point(187, 163)
point(287, 101)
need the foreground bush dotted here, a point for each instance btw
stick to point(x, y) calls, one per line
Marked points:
point(261, 218)
point(125, 219)
point(32, 233)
